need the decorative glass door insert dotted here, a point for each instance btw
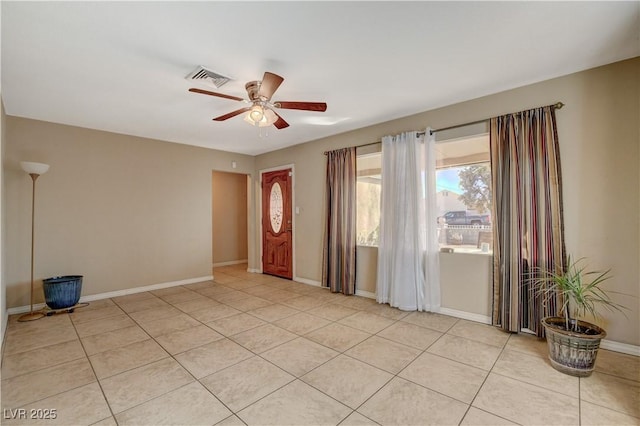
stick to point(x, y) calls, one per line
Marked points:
point(276, 207)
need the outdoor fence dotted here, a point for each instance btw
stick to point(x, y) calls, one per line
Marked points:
point(465, 235)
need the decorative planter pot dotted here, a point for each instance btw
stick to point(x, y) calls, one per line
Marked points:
point(570, 352)
point(62, 292)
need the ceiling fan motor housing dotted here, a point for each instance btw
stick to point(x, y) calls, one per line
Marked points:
point(252, 90)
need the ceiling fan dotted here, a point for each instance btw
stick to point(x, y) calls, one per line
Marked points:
point(261, 112)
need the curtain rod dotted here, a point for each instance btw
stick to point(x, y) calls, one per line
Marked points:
point(557, 105)
point(359, 146)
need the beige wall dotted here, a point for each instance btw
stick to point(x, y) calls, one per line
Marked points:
point(465, 282)
point(464, 279)
point(3, 281)
point(366, 268)
point(123, 211)
point(229, 195)
point(599, 142)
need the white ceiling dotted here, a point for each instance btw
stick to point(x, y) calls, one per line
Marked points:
point(120, 66)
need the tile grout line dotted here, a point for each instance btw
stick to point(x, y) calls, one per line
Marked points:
point(195, 379)
point(43, 368)
point(169, 355)
point(255, 354)
point(396, 375)
point(143, 365)
point(113, 416)
point(296, 378)
point(353, 410)
point(393, 376)
point(579, 401)
point(485, 380)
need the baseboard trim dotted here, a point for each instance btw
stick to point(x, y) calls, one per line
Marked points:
point(27, 308)
point(624, 348)
point(465, 315)
point(308, 281)
point(366, 294)
point(117, 293)
point(610, 345)
point(5, 321)
point(254, 270)
point(231, 262)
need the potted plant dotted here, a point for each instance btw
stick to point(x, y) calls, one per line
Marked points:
point(573, 344)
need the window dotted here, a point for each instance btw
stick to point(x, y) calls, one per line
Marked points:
point(463, 179)
point(368, 193)
point(463, 195)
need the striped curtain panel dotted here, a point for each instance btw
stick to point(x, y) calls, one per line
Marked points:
point(528, 227)
point(339, 252)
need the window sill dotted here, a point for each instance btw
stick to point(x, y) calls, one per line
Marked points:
point(446, 250)
point(473, 251)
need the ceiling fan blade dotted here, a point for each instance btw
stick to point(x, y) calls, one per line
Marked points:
point(270, 83)
point(220, 95)
point(231, 114)
point(280, 123)
point(307, 106)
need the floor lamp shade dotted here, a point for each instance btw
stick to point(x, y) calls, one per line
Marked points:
point(34, 170)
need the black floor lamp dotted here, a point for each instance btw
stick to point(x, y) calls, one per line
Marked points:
point(34, 170)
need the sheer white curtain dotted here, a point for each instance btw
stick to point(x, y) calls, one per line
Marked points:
point(408, 266)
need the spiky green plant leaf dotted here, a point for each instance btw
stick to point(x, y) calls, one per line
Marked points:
point(578, 289)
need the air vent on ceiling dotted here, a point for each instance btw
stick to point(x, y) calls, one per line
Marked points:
point(206, 75)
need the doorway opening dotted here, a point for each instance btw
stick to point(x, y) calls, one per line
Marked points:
point(229, 209)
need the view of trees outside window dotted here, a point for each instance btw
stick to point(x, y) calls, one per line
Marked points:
point(475, 183)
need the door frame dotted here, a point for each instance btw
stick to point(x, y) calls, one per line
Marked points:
point(293, 214)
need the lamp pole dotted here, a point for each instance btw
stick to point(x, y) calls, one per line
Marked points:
point(34, 170)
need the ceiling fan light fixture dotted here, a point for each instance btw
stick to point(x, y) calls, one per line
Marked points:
point(249, 118)
point(260, 116)
point(270, 116)
point(256, 114)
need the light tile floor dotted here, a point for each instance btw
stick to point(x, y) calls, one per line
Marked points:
point(253, 349)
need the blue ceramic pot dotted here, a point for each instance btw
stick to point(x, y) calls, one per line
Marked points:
point(62, 292)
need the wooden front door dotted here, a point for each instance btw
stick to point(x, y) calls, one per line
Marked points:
point(277, 224)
